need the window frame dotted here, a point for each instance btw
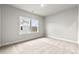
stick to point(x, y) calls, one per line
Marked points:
point(38, 28)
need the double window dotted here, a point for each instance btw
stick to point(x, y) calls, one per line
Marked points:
point(28, 25)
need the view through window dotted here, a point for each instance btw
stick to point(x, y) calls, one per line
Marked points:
point(28, 25)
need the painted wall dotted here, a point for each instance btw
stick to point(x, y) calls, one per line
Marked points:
point(10, 25)
point(78, 24)
point(0, 25)
point(63, 25)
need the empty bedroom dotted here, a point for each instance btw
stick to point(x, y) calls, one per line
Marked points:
point(39, 28)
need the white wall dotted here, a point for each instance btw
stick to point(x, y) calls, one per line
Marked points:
point(0, 25)
point(78, 24)
point(63, 25)
point(10, 25)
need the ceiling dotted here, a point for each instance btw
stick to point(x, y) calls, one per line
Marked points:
point(48, 9)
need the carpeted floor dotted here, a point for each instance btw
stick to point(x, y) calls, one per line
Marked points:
point(41, 46)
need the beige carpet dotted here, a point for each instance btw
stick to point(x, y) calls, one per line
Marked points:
point(42, 46)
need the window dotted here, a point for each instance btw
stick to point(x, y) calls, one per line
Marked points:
point(28, 25)
point(34, 25)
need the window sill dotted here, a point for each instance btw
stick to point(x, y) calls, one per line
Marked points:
point(28, 33)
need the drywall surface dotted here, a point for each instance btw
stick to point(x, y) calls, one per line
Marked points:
point(0, 25)
point(78, 24)
point(63, 25)
point(10, 25)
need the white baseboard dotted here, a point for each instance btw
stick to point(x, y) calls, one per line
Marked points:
point(18, 41)
point(13, 42)
point(62, 39)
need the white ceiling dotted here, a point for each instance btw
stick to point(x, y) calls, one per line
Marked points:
point(48, 9)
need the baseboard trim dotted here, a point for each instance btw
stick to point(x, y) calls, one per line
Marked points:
point(18, 41)
point(63, 39)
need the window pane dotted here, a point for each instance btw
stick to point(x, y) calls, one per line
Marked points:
point(35, 25)
point(24, 25)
